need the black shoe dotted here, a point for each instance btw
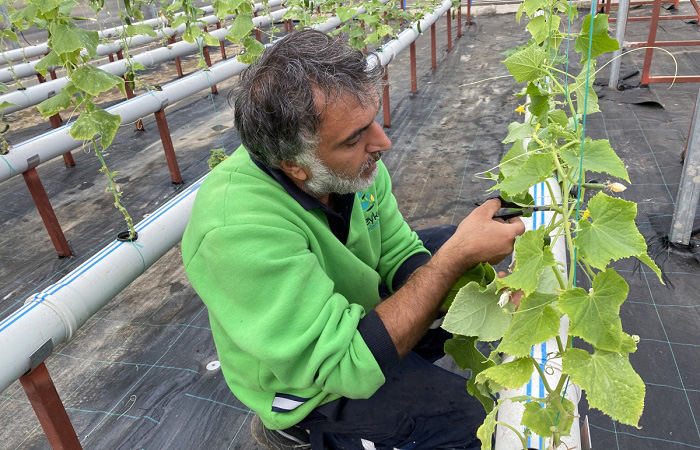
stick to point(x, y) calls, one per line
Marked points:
point(293, 438)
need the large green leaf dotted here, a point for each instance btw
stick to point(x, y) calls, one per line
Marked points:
point(585, 101)
point(531, 6)
point(531, 258)
point(611, 234)
point(135, 30)
point(525, 64)
point(598, 156)
point(511, 375)
point(513, 159)
point(541, 418)
point(538, 167)
point(53, 105)
point(600, 42)
point(241, 27)
point(96, 121)
point(517, 130)
point(533, 323)
point(47, 5)
point(50, 60)
point(610, 382)
point(541, 28)
point(66, 38)
point(481, 273)
point(475, 312)
point(467, 357)
point(94, 81)
point(486, 429)
point(595, 315)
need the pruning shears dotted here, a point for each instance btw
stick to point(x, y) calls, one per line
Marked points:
point(510, 210)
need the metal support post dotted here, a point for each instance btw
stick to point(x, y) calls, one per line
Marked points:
point(207, 59)
point(414, 78)
point(620, 28)
point(459, 20)
point(469, 12)
point(53, 74)
point(385, 99)
point(41, 78)
point(221, 43)
point(433, 51)
point(449, 29)
point(168, 147)
point(689, 188)
point(129, 89)
point(178, 63)
point(111, 57)
point(41, 200)
point(651, 42)
point(49, 409)
point(120, 54)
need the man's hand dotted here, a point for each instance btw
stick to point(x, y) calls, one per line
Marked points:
point(481, 238)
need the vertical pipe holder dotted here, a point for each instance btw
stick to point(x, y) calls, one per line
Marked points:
point(168, 148)
point(222, 47)
point(459, 20)
point(433, 50)
point(386, 108)
point(620, 27)
point(178, 62)
point(651, 41)
point(469, 12)
point(129, 89)
point(414, 78)
point(449, 29)
point(207, 59)
point(43, 205)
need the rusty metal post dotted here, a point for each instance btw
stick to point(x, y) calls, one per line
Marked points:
point(414, 79)
point(168, 147)
point(449, 30)
point(385, 98)
point(120, 55)
point(41, 78)
point(469, 12)
point(129, 89)
point(111, 57)
point(53, 74)
point(221, 43)
point(459, 20)
point(41, 200)
point(651, 42)
point(49, 409)
point(433, 51)
point(178, 63)
point(258, 36)
point(207, 59)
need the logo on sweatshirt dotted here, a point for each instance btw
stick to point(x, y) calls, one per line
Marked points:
point(368, 203)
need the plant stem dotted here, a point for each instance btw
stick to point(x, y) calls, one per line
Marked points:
point(523, 441)
point(560, 280)
point(542, 376)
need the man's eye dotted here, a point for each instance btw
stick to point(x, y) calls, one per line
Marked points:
point(353, 141)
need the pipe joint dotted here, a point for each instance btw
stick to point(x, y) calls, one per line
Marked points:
point(66, 316)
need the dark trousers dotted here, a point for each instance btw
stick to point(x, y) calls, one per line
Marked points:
point(420, 406)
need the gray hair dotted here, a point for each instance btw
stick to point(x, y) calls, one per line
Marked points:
point(274, 109)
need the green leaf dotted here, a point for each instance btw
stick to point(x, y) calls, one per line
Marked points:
point(96, 121)
point(600, 42)
point(467, 357)
point(598, 156)
point(644, 258)
point(578, 89)
point(47, 5)
point(191, 34)
point(595, 315)
point(50, 60)
point(136, 66)
point(95, 81)
point(27, 14)
point(482, 273)
point(66, 8)
point(53, 105)
point(611, 234)
point(558, 116)
point(525, 65)
point(610, 382)
point(241, 27)
point(486, 429)
point(538, 167)
point(511, 375)
point(519, 12)
point(541, 418)
point(531, 258)
point(531, 6)
point(67, 38)
point(533, 323)
point(3, 87)
point(514, 159)
point(539, 99)
point(517, 130)
point(475, 312)
point(134, 30)
point(210, 40)
point(9, 34)
point(540, 28)
point(253, 50)
point(4, 105)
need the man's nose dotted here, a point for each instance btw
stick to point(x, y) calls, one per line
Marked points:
point(379, 141)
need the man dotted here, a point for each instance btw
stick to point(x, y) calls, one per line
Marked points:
point(292, 239)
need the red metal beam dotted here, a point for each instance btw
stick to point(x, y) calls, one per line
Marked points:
point(207, 59)
point(385, 99)
point(49, 409)
point(651, 41)
point(178, 62)
point(414, 78)
point(168, 148)
point(459, 20)
point(449, 29)
point(48, 216)
point(221, 44)
point(433, 51)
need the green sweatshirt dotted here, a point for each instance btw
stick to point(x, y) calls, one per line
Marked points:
point(291, 304)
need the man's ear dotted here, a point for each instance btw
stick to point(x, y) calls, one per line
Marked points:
point(294, 171)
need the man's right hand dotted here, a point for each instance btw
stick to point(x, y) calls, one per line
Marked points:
point(481, 238)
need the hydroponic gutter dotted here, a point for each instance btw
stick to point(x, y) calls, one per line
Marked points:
point(42, 49)
point(40, 92)
point(57, 312)
point(24, 70)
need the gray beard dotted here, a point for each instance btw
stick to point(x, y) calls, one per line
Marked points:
point(323, 180)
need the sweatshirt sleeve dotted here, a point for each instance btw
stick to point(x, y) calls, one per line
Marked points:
point(271, 299)
point(401, 250)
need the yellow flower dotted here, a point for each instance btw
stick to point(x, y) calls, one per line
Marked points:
point(585, 215)
point(537, 128)
point(520, 109)
point(617, 187)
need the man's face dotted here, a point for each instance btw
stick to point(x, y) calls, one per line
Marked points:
point(351, 142)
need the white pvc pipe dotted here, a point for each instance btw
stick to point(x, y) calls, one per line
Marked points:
point(43, 48)
point(24, 70)
point(512, 412)
point(38, 93)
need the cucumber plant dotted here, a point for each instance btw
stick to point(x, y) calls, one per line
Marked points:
point(597, 229)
